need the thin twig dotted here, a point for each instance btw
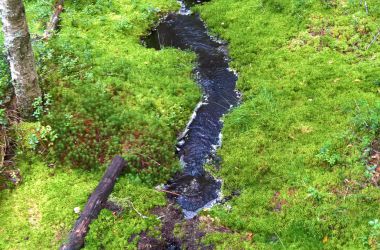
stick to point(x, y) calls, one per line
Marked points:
point(133, 207)
point(282, 244)
point(169, 192)
point(146, 156)
point(374, 39)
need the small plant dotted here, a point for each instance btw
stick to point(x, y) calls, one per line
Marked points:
point(43, 136)
point(124, 25)
point(3, 117)
point(41, 106)
point(328, 4)
point(5, 75)
point(367, 117)
point(374, 234)
point(33, 141)
point(38, 108)
point(326, 154)
point(315, 194)
point(370, 171)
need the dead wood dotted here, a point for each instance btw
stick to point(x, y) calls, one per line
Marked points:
point(95, 204)
point(54, 21)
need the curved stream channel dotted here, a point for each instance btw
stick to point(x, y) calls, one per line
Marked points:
point(198, 143)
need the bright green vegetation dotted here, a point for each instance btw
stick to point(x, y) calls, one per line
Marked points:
point(295, 147)
point(111, 95)
point(40, 212)
point(4, 82)
point(4, 86)
point(4, 73)
point(105, 94)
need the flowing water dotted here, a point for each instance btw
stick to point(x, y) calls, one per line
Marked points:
point(198, 143)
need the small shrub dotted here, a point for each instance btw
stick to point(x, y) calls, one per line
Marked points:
point(315, 194)
point(3, 117)
point(124, 25)
point(41, 106)
point(41, 138)
point(33, 137)
point(328, 155)
point(373, 240)
point(328, 4)
point(5, 76)
point(367, 117)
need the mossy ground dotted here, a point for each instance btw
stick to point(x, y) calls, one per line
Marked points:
point(295, 149)
point(107, 95)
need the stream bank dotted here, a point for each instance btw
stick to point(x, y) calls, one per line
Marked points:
point(198, 143)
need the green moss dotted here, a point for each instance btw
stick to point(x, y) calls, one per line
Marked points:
point(40, 211)
point(294, 147)
point(113, 96)
point(109, 95)
point(38, 15)
point(122, 232)
point(228, 241)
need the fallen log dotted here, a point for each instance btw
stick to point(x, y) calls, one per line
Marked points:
point(95, 204)
point(54, 21)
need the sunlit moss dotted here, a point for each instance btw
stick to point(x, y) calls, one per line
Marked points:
point(294, 148)
point(309, 75)
point(110, 95)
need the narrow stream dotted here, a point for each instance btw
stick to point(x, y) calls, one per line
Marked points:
point(198, 143)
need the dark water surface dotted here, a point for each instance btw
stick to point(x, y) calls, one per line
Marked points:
point(197, 145)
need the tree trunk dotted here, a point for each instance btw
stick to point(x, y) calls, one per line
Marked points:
point(94, 205)
point(20, 55)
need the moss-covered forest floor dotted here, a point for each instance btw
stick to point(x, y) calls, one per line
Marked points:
point(301, 151)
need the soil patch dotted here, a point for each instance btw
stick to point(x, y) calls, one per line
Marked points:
point(178, 233)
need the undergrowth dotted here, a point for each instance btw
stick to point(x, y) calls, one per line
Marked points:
point(5, 81)
point(104, 94)
point(295, 149)
point(111, 95)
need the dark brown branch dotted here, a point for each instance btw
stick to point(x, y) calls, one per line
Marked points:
point(94, 205)
point(54, 21)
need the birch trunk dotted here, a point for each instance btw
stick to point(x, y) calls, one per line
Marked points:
point(20, 55)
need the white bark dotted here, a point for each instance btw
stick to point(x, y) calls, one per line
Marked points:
point(20, 55)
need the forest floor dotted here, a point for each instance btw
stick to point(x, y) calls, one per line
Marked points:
point(301, 151)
